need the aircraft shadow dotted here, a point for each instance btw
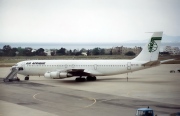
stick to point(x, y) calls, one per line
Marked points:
point(98, 80)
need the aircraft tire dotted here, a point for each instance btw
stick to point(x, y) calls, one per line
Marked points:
point(80, 79)
point(10, 80)
point(18, 79)
point(26, 78)
point(90, 78)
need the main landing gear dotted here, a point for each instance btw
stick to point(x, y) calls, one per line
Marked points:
point(26, 78)
point(88, 78)
point(80, 79)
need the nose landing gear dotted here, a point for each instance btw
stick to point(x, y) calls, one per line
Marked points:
point(26, 78)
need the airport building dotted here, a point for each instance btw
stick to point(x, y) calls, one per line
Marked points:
point(172, 50)
point(122, 50)
point(48, 52)
point(136, 50)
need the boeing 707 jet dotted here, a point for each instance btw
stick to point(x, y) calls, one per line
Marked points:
point(60, 69)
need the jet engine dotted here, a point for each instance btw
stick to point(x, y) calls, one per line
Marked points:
point(57, 75)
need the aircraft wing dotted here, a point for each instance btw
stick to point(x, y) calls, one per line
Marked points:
point(81, 72)
point(77, 72)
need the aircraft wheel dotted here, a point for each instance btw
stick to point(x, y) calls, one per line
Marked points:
point(80, 79)
point(26, 78)
point(94, 78)
point(90, 78)
point(18, 79)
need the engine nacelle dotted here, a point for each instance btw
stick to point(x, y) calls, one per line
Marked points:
point(57, 75)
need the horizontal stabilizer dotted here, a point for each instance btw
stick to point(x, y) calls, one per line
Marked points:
point(164, 61)
point(152, 63)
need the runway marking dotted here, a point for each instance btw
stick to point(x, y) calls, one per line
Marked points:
point(87, 105)
point(106, 100)
point(91, 99)
point(34, 96)
point(128, 93)
point(92, 103)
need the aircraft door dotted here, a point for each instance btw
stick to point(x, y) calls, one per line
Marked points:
point(65, 66)
point(23, 65)
point(95, 67)
point(129, 66)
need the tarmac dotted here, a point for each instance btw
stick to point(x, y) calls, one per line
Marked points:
point(108, 96)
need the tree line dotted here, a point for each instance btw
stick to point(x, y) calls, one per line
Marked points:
point(7, 50)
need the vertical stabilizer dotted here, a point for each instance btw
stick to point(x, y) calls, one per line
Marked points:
point(150, 51)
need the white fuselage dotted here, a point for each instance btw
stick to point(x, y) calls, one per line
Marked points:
point(60, 69)
point(94, 67)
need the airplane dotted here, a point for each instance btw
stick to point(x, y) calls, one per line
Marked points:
point(60, 69)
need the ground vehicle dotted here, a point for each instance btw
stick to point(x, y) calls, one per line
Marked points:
point(145, 112)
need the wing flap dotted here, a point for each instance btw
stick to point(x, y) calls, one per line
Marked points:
point(81, 72)
point(78, 72)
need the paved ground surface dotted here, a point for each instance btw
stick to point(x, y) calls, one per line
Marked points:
point(108, 96)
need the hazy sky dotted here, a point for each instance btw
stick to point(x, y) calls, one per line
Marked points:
point(86, 20)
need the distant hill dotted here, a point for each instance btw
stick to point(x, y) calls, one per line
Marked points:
point(172, 39)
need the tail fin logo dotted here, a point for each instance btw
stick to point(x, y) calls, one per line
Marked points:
point(152, 46)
